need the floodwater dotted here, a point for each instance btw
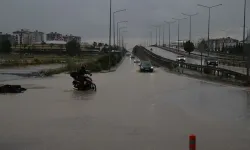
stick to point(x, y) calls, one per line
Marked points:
point(129, 111)
point(15, 73)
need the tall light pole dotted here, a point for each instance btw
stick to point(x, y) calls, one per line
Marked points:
point(178, 20)
point(110, 20)
point(119, 32)
point(244, 38)
point(159, 35)
point(122, 43)
point(190, 24)
point(209, 9)
point(114, 21)
point(163, 36)
point(156, 30)
point(118, 29)
point(169, 31)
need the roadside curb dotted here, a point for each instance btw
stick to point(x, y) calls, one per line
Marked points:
point(113, 69)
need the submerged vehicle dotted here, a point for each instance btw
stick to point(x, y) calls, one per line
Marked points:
point(82, 82)
point(12, 89)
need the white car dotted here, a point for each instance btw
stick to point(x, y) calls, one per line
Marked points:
point(137, 61)
point(181, 59)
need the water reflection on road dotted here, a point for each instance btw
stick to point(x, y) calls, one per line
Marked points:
point(130, 110)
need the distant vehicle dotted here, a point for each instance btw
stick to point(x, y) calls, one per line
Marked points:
point(132, 56)
point(181, 59)
point(128, 54)
point(211, 62)
point(146, 66)
point(137, 60)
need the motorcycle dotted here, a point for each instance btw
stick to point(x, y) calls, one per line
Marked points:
point(82, 83)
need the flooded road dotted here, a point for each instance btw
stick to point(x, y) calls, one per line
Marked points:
point(15, 73)
point(130, 110)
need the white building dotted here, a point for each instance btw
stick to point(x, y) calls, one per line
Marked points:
point(175, 44)
point(24, 36)
point(218, 44)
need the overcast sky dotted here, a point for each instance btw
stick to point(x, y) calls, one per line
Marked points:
point(90, 18)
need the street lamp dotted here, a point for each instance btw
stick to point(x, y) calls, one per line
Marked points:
point(169, 31)
point(209, 9)
point(114, 21)
point(156, 36)
point(118, 28)
point(119, 33)
point(244, 38)
point(110, 20)
point(190, 21)
point(121, 43)
point(178, 20)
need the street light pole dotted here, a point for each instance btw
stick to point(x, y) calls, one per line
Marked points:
point(190, 26)
point(178, 20)
point(163, 38)
point(156, 29)
point(169, 31)
point(110, 20)
point(209, 11)
point(244, 38)
point(159, 35)
point(114, 21)
point(118, 29)
point(120, 34)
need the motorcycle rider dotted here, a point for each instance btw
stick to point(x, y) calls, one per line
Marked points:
point(82, 73)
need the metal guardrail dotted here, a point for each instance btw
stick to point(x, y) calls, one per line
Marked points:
point(215, 71)
point(224, 60)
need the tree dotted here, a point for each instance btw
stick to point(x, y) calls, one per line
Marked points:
point(94, 44)
point(43, 43)
point(5, 46)
point(202, 45)
point(189, 47)
point(100, 44)
point(51, 45)
point(73, 48)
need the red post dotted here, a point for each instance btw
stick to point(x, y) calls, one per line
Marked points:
point(192, 142)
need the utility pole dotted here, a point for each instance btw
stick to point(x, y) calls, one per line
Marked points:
point(169, 32)
point(178, 20)
point(209, 11)
point(190, 22)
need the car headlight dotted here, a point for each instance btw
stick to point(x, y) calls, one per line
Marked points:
point(152, 67)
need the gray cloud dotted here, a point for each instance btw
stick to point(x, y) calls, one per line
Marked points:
point(89, 18)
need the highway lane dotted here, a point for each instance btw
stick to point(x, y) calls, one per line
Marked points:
point(173, 56)
point(130, 110)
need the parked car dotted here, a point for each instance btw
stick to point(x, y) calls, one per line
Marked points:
point(146, 66)
point(211, 62)
point(132, 56)
point(181, 59)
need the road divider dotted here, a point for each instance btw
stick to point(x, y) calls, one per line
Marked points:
point(214, 73)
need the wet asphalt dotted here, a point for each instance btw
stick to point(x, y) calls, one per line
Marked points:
point(129, 111)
